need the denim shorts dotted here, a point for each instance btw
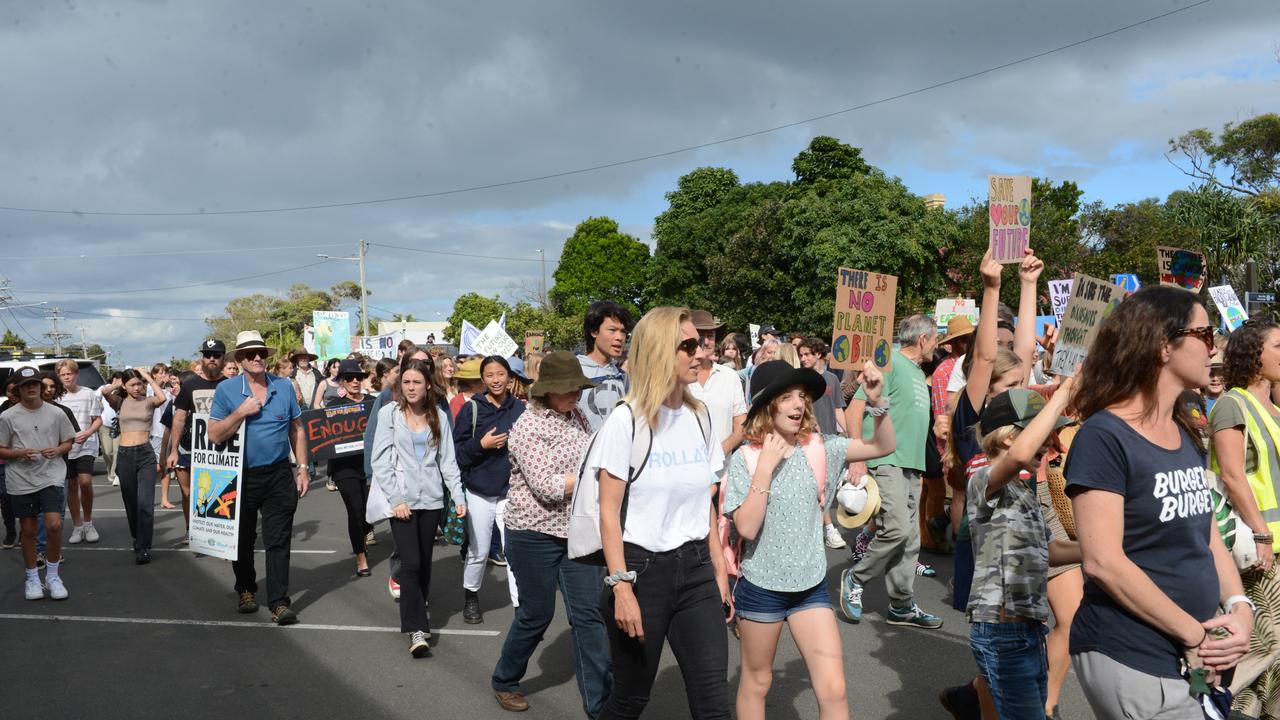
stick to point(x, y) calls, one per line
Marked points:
point(757, 604)
point(1012, 658)
point(49, 499)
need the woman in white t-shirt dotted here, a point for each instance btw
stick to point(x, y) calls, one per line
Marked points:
point(666, 571)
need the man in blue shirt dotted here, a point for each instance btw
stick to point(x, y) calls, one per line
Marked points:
point(268, 409)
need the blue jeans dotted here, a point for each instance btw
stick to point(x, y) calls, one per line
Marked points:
point(541, 564)
point(1013, 661)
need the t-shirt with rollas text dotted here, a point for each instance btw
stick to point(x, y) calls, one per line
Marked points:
point(1168, 518)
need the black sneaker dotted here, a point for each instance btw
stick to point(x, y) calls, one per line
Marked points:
point(962, 702)
point(499, 559)
point(10, 539)
point(142, 557)
point(282, 615)
point(471, 609)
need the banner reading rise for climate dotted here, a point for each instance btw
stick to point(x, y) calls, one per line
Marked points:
point(216, 473)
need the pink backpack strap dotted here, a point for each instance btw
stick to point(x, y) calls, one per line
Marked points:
point(816, 453)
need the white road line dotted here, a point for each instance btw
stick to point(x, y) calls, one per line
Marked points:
point(78, 547)
point(231, 623)
point(157, 508)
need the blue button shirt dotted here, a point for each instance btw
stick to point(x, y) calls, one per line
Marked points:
point(266, 435)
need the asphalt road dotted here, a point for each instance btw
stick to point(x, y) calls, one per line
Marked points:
point(164, 640)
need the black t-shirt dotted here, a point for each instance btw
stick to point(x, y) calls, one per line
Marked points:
point(1168, 516)
point(196, 396)
point(352, 465)
point(963, 429)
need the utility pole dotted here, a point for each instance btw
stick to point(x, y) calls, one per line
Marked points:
point(56, 335)
point(542, 279)
point(84, 347)
point(364, 294)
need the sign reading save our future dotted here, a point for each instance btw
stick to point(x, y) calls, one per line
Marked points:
point(336, 431)
point(863, 321)
point(1009, 207)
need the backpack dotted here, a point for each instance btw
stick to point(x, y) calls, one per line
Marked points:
point(584, 518)
point(730, 541)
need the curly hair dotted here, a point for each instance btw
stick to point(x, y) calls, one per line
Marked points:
point(761, 423)
point(1242, 360)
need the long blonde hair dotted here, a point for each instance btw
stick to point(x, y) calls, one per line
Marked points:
point(653, 362)
point(787, 353)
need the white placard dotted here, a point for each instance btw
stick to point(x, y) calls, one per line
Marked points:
point(948, 308)
point(377, 346)
point(216, 476)
point(1233, 313)
point(495, 341)
point(1059, 295)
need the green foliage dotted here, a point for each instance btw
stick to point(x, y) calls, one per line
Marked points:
point(599, 263)
point(827, 158)
point(1229, 229)
point(1123, 239)
point(11, 339)
point(280, 320)
point(1250, 150)
point(562, 332)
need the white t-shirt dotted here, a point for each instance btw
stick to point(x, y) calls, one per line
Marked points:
point(957, 382)
point(670, 503)
point(724, 400)
point(85, 405)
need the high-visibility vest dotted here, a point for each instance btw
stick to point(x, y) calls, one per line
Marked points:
point(1263, 433)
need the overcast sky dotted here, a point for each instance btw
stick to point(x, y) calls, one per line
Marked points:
point(154, 107)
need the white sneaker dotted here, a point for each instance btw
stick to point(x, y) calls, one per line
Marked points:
point(77, 536)
point(114, 481)
point(91, 533)
point(57, 591)
point(832, 536)
point(34, 590)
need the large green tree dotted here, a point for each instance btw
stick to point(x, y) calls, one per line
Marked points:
point(599, 262)
point(1123, 238)
point(279, 318)
point(561, 331)
point(1249, 151)
point(11, 339)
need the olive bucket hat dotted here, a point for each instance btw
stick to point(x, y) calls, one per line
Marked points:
point(560, 373)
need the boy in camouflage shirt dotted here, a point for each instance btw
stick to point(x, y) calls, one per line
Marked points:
point(1008, 604)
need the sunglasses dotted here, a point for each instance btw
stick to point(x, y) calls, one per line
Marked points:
point(253, 355)
point(1203, 333)
point(212, 355)
point(689, 346)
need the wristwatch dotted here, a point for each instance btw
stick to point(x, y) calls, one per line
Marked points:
point(1234, 600)
point(628, 576)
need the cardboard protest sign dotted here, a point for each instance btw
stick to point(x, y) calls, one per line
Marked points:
point(1009, 208)
point(533, 342)
point(1092, 301)
point(863, 322)
point(1059, 294)
point(377, 346)
point(755, 335)
point(216, 475)
point(494, 341)
point(1233, 313)
point(332, 334)
point(336, 431)
point(948, 308)
point(1180, 268)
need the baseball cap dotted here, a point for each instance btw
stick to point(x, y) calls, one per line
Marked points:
point(1017, 406)
point(213, 345)
point(27, 374)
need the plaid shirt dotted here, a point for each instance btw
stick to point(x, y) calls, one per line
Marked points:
point(545, 446)
point(938, 393)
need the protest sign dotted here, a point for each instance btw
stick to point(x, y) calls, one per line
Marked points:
point(1059, 294)
point(216, 474)
point(1009, 208)
point(332, 332)
point(863, 321)
point(1233, 313)
point(947, 309)
point(494, 341)
point(336, 431)
point(1092, 301)
point(1180, 268)
point(533, 341)
point(1128, 282)
point(755, 335)
point(377, 346)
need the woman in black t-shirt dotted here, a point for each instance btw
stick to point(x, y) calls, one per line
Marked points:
point(1157, 568)
point(347, 471)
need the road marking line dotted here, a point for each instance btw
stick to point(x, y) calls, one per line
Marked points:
point(232, 623)
point(74, 548)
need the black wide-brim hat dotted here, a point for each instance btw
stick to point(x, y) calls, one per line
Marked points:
point(774, 377)
point(351, 368)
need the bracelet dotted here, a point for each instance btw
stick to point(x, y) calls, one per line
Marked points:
point(1264, 538)
point(1234, 600)
point(878, 410)
point(628, 576)
point(762, 491)
point(1206, 637)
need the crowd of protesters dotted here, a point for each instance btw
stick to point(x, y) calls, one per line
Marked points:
point(1119, 519)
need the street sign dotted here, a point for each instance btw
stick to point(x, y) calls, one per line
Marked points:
point(1257, 297)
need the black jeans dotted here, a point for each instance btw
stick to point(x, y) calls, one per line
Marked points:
point(354, 489)
point(136, 468)
point(415, 538)
point(270, 490)
point(680, 604)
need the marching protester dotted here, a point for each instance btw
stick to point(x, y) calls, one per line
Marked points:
point(667, 582)
point(480, 433)
point(546, 446)
point(264, 405)
point(718, 387)
point(328, 387)
point(86, 406)
point(1245, 427)
point(137, 457)
point(467, 379)
point(1217, 381)
point(895, 549)
point(34, 438)
point(230, 369)
point(1156, 569)
point(305, 375)
point(777, 495)
point(413, 465)
point(812, 354)
point(604, 331)
point(109, 433)
point(195, 396)
point(347, 471)
point(734, 350)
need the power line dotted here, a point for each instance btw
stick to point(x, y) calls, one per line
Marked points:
point(178, 287)
point(220, 251)
point(454, 254)
point(629, 161)
point(131, 317)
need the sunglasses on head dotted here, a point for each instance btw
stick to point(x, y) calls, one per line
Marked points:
point(1203, 333)
point(253, 355)
point(689, 346)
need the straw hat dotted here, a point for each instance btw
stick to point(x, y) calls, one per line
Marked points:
point(856, 505)
point(958, 327)
point(469, 370)
point(252, 340)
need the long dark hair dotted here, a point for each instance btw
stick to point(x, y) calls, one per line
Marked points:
point(1242, 360)
point(1125, 358)
point(431, 398)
